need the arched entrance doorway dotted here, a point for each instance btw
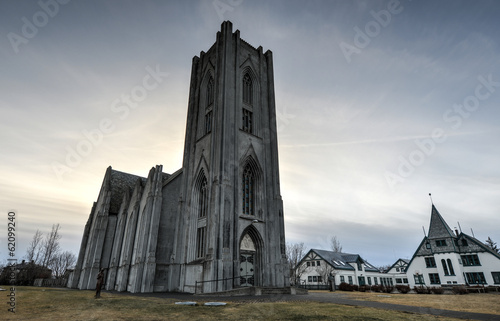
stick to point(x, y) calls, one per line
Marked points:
point(248, 262)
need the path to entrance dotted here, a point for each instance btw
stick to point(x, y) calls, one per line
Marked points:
point(325, 297)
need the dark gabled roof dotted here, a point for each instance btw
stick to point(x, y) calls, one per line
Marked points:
point(438, 227)
point(120, 183)
point(340, 260)
point(480, 244)
point(392, 266)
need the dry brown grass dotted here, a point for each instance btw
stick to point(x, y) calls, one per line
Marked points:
point(63, 304)
point(474, 302)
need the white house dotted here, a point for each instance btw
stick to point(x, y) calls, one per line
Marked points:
point(317, 266)
point(398, 272)
point(447, 257)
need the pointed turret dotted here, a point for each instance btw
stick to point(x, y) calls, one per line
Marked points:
point(438, 227)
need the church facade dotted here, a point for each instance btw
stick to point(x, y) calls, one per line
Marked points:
point(217, 223)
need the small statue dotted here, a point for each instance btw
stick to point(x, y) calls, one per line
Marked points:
point(100, 281)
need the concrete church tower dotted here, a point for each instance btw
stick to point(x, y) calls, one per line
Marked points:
point(218, 217)
point(233, 212)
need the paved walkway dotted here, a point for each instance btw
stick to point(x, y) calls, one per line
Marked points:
point(325, 297)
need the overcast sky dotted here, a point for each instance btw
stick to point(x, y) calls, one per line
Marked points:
point(379, 103)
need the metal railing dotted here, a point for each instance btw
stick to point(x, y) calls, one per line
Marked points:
point(217, 280)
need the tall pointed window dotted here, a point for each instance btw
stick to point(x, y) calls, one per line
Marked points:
point(247, 121)
point(203, 198)
point(445, 268)
point(450, 267)
point(208, 122)
point(200, 241)
point(210, 91)
point(247, 89)
point(248, 190)
point(209, 105)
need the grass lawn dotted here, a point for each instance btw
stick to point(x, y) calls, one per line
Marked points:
point(34, 303)
point(473, 302)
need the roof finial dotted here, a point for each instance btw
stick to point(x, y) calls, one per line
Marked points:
point(431, 199)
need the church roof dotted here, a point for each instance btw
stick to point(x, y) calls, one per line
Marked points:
point(438, 227)
point(121, 183)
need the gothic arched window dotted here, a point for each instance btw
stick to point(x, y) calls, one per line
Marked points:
point(203, 198)
point(450, 267)
point(445, 268)
point(247, 89)
point(248, 190)
point(210, 91)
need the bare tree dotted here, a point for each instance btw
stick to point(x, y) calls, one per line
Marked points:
point(62, 262)
point(325, 270)
point(50, 246)
point(33, 251)
point(294, 253)
point(335, 244)
point(492, 245)
point(384, 268)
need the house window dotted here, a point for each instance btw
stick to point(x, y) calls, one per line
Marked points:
point(469, 260)
point(248, 191)
point(430, 262)
point(428, 245)
point(350, 279)
point(308, 263)
point(312, 263)
point(375, 280)
point(247, 89)
point(445, 268)
point(496, 277)
point(419, 279)
point(360, 267)
point(397, 269)
point(342, 278)
point(369, 280)
point(440, 242)
point(475, 278)
point(320, 279)
point(317, 263)
point(315, 278)
point(203, 198)
point(247, 121)
point(399, 281)
point(450, 267)
point(405, 280)
point(200, 242)
point(434, 278)
point(464, 242)
point(309, 278)
point(208, 122)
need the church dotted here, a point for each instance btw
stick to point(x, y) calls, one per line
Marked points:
point(216, 224)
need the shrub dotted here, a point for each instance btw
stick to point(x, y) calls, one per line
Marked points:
point(355, 287)
point(421, 290)
point(376, 288)
point(459, 290)
point(388, 289)
point(476, 289)
point(437, 290)
point(403, 288)
point(345, 287)
point(362, 288)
